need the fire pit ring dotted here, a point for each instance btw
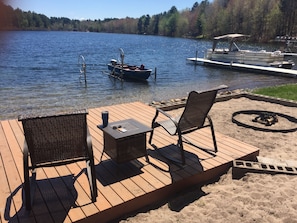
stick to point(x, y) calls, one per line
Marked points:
point(261, 115)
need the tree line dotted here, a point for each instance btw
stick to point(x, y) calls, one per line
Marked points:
point(263, 20)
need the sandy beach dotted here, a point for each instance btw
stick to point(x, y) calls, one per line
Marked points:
point(256, 197)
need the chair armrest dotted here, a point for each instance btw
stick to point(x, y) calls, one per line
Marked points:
point(164, 113)
point(169, 116)
point(156, 124)
point(220, 87)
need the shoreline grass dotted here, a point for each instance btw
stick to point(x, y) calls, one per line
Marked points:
point(288, 91)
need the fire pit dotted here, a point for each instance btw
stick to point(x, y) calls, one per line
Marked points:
point(266, 118)
point(256, 118)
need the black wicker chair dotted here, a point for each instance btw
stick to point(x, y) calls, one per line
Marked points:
point(193, 118)
point(57, 140)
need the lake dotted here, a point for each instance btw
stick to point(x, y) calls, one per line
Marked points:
point(39, 71)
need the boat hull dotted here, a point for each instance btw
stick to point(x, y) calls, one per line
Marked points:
point(129, 72)
point(259, 58)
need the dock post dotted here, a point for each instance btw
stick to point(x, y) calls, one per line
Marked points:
point(85, 72)
point(82, 67)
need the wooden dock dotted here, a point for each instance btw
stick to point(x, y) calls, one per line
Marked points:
point(62, 193)
point(252, 68)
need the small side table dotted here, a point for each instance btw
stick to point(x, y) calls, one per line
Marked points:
point(125, 140)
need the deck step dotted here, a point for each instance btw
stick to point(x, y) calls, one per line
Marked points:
point(241, 167)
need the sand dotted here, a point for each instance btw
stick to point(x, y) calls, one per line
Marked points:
point(254, 197)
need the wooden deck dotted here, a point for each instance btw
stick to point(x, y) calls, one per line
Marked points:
point(62, 193)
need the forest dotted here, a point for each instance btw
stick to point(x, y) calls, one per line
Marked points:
point(263, 20)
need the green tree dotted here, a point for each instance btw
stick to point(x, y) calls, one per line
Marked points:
point(171, 25)
point(171, 21)
point(154, 25)
point(262, 19)
point(289, 14)
point(146, 23)
point(272, 20)
point(140, 25)
point(38, 21)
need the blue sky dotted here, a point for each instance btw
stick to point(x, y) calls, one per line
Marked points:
point(100, 9)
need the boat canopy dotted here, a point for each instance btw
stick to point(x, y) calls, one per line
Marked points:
point(230, 37)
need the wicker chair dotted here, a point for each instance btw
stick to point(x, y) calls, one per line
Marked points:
point(57, 140)
point(193, 118)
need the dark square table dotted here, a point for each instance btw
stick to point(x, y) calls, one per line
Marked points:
point(125, 140)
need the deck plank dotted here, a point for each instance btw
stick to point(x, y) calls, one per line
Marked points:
point(12, 164)
point(62, 193)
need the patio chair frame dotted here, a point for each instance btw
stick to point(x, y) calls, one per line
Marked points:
point(55, 140)
point(193, 118)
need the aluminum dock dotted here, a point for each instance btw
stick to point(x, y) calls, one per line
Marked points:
point(237, 66)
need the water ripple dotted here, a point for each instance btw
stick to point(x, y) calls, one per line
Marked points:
point(39, 71)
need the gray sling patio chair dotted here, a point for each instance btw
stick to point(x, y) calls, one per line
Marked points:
point(56, 140)
point(193, 118)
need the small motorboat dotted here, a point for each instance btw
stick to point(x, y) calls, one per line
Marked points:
point(233, 54)
point(129, 72)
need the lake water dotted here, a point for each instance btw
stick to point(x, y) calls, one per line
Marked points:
point(39, 71)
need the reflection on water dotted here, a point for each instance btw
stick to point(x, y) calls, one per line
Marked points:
point(39, 71)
